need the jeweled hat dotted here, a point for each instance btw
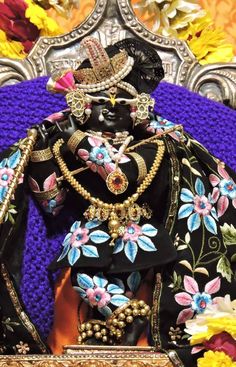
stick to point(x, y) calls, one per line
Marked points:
point(103, 71)
point(131, 62)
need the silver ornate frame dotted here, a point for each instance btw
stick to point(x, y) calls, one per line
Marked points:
point(113, 20)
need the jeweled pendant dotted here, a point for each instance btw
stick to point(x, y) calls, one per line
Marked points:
point(117, 182)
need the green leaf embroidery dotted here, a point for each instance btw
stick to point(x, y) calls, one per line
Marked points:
point(229, 234)
point(223, 267)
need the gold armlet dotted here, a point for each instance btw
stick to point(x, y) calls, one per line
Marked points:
point(142, 168)
point(46, 195)
point(41, 155)
point(74, 140)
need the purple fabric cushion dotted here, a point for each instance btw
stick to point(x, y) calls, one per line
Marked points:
point(27, 103)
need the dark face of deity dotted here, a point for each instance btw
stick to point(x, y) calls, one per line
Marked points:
point(110, 112)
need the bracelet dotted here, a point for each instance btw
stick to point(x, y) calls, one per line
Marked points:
point(142, 168)
point(74, 140)
point(41, 155)
point(46, 195)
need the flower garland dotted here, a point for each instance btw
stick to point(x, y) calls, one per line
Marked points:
point(21, 24)
point(215, 331)
point(185, 19)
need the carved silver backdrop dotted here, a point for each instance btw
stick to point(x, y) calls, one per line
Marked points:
point(113, 20)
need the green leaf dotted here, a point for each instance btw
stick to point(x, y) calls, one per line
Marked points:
point(223, 267)
point(229, 234)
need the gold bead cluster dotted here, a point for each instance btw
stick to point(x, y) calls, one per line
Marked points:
point(125, 315)
point(114, 328)
point(94, 329)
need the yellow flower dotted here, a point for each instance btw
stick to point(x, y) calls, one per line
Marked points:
point(11, 49)
point(217, 317)
point(212, 327)
point(215, 359)
point(39, 17)
point(207, 42)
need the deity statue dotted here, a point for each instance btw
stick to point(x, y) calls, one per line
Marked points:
point(148, 203)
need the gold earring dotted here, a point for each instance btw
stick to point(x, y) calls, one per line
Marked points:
point(76, 100)
point(144, 104)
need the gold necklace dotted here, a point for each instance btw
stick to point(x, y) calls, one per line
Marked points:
point(118, 214)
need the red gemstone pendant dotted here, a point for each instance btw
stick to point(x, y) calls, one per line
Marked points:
point(117, 182)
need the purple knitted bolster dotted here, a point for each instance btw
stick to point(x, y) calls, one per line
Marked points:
point(27, 103)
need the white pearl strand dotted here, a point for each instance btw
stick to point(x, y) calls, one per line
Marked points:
point(116, 157)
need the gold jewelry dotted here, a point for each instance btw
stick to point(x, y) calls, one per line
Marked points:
point(76, 100)
point(126, 314)
point(41, 155)
point(105, 72)
point(117, 214)
point(94, 329)
point(74, 140)
point(142, 142)
point(46, 195)
point(144, 103)
point(27, 147)
point(142, 168)
point(117, 182)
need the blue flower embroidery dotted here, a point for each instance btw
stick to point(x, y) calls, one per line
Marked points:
point(135, 237)
point(99, 155)
point(76, 240)
point(159, 124)
point(228, 188)
point(98, 292)
point(200, 301)
point(7, 167)
point(198, 207)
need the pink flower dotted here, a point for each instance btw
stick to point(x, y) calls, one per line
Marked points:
point(202, 206)
point(222, 342)
point(6, 175)
point(132, 232)
point(79, 237)
point(98, 297)
point(225, 188)
point(194, 298)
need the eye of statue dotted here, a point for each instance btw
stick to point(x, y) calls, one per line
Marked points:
point(102, 100)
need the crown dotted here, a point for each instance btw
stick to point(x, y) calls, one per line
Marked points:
point(104, 72)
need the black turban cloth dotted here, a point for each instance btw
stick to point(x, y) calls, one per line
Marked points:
point(147, 70)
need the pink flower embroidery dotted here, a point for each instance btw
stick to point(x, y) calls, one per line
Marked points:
point(132, 232)
point(79, 237)
point(6, 175)
point(194, 298)
point(98, 297)
point(54, 205)
point(202, 206)
point(225, 188)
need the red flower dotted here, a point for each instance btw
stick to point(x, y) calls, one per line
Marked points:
point(16, 26)
point(222, 342)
